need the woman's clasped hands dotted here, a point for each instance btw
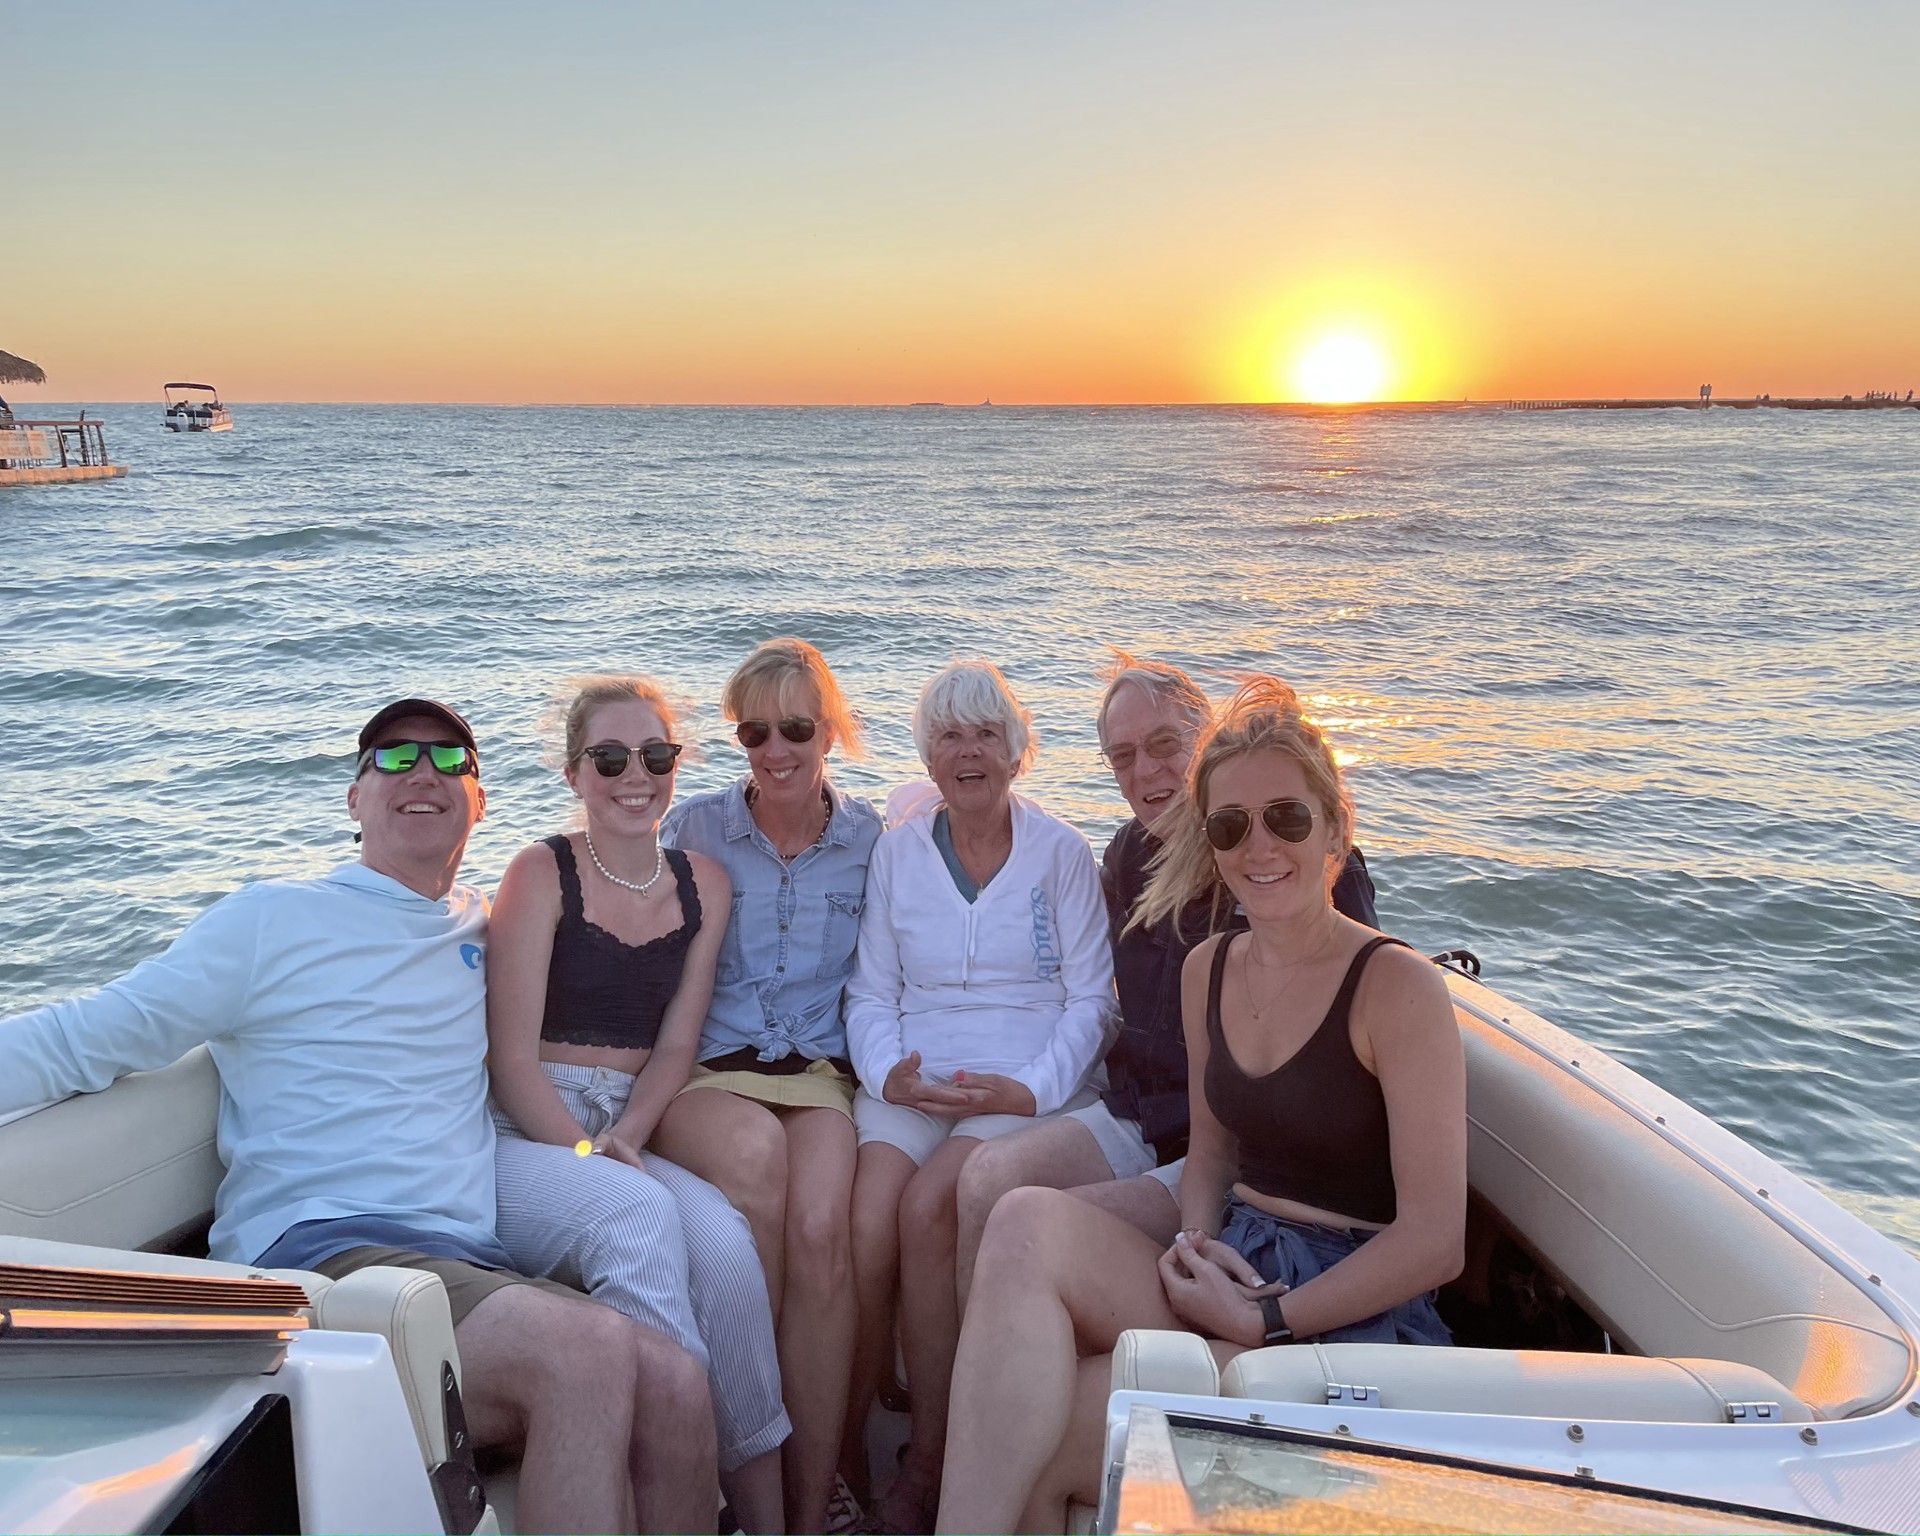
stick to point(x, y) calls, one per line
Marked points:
point(1215, 1291)
point(967, 1093)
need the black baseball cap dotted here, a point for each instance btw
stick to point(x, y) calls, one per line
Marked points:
point(399, 709)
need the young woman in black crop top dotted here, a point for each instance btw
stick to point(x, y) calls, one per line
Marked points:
point(600, 967)
point(1327, 1098)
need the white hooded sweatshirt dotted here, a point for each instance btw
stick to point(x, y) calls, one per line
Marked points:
point(1018, 982)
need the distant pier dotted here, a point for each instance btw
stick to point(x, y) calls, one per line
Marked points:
point(54, 452)
point(1750, 403)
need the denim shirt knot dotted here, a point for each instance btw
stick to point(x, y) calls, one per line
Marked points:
point(781, 1037)
point(792, 928)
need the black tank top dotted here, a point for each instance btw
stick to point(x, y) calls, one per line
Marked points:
point(1315, 1128)
point(602, 990)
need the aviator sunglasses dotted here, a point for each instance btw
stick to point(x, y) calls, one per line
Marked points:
point(610, 758)
point(796, 728)
point(449, 757)
point(1289, 820)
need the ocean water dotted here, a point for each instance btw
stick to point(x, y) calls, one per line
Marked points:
point(1630, 701)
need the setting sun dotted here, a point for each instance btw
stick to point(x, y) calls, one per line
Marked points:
point(1340, 370)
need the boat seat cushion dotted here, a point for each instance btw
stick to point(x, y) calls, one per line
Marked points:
point(1667, 1257)
point(1530, 1383)
point(133, 1166)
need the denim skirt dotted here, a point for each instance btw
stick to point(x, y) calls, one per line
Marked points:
point(1296, 1251)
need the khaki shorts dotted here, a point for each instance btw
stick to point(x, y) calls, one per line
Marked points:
point(821, 1086)
point(467, 1284)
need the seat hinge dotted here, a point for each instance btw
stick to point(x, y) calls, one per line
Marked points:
point(456, 1481)
point(1347, 1395)
point(1754, 1413)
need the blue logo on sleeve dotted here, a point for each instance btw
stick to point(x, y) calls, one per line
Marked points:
point(473, 954)
point(1046, 952)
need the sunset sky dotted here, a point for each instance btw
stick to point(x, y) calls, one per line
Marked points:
point(1033, 202)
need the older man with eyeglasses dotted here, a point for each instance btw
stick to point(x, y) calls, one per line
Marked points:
point(1150, 716)
point(347, 1017)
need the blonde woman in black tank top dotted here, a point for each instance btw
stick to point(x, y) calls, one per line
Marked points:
point(1324, 1195)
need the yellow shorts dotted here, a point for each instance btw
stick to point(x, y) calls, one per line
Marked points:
point(821, 1086)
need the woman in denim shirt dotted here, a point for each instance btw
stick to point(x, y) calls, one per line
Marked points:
point(768, 1113)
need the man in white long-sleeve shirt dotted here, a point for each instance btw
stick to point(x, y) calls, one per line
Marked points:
point(347, 1017)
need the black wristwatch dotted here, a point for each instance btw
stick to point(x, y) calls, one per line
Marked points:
point(1277, 1330)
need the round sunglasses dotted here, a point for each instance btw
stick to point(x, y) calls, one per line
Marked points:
point(1289, 820)
point(610, 758)
point(796, 729)
point(449, 757)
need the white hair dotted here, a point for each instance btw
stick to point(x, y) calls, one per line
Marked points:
point(973, 693)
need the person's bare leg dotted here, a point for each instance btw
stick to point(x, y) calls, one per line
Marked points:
point(929, 1327)
point(672, 1451)
point(613, 1421)
point(1056, 1155)
point(881, 1173)
point(755, 1491)
point(1078, 1464)
point(738, 1146)
point(1055, 1276)
point(1144, 1204)
point(816, 1338)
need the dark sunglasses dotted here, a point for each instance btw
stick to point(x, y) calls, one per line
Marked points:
point(657, 757)
point(1160, 746)
point(796, 728)
point(450, 757)
point(1289, 820)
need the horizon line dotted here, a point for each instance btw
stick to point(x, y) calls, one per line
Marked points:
point(909, 405)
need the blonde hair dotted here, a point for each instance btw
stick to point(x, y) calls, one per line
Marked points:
point(589, 693)
point(974, 693)
point(771, 667)
point(1159, 680)
point(1264, 715)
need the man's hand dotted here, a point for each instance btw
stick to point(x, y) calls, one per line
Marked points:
point(1210, 1297)
point(905, 1085)
point(991, 1094)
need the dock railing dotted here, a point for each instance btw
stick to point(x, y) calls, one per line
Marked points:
point(29, 444)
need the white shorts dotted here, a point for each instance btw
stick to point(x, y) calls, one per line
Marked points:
point(1119, 1140)
point(1169, 1175)
point(917, 1133)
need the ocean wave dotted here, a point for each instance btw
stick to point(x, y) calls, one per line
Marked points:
point(284, 541)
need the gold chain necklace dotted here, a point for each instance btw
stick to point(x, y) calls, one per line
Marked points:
point(1294, 967)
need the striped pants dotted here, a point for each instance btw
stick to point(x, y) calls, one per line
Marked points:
point(663, 1247)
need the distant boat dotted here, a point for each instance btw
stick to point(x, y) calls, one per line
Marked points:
point(986, 402)
point(189, 414)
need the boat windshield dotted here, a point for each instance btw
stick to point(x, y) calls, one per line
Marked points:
point(1186, 1473)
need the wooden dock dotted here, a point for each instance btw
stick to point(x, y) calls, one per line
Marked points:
point(1749, 403)
point(54, 474)
point(54, 452)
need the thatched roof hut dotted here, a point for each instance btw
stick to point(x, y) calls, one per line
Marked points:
point(17, 370)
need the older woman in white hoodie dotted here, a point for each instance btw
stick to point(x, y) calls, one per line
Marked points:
point(981, 1002)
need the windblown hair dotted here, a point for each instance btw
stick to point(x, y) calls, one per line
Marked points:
point(1264, 715)
point(589, 693)
point(791, 676)
point(973, 693)
point(1159, 680)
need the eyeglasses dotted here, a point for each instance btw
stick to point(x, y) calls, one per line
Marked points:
point(610, 758)
point(449, 757)
point(796, 728)
point(1160, 746)
point(1289, 820)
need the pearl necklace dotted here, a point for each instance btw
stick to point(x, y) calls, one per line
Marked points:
point(643, 886)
